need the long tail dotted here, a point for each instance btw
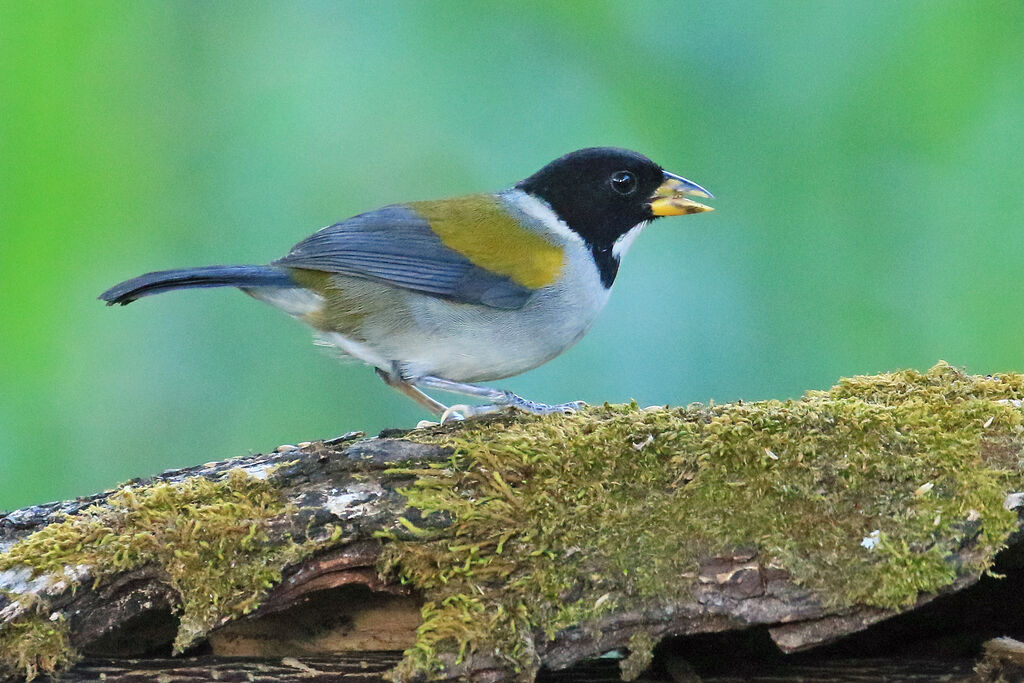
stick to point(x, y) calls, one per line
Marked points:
point(187, 278)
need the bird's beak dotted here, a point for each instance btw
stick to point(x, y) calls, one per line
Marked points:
point(670, 199)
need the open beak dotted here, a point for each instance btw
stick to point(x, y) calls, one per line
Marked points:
point(670, 199)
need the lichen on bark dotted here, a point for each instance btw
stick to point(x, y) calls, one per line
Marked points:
point(873, 493)
point(864, 494)
point(209, 537)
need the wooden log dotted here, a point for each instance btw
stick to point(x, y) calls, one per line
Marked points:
point(492, 548)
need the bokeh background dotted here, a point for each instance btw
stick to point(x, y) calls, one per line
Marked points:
point(866, 156)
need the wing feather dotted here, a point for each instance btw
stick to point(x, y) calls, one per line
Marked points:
point(396, 245)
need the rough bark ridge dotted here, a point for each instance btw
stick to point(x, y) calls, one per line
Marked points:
point(492, 548)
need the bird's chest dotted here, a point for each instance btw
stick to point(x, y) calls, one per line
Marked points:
point(474, 343)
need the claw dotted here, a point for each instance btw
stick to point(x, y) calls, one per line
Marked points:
point(456, 413)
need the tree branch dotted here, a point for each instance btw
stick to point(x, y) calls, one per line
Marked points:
point(492, 548)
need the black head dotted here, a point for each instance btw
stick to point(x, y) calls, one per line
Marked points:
point(601, 193)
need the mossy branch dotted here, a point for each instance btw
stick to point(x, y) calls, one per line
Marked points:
point(542, 541)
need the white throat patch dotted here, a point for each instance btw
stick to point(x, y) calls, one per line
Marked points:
point(625, 240)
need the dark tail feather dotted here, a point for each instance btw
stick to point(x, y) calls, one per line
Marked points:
point(187, 278)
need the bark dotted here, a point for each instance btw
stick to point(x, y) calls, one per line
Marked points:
point(132, 613)
point(344, 494)
point(369, 667)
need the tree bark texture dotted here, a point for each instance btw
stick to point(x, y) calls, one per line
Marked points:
point(345, 504)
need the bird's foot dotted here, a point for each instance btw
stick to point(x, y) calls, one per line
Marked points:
point(498, 401)
point(521, 405)
point(534, 408)
point(462, 411)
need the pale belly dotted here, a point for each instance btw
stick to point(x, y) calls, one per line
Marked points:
point(467, 343)
point(426, 335)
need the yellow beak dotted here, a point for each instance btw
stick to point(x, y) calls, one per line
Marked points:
point(670, 199)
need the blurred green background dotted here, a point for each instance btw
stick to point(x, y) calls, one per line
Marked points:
point(866, 157)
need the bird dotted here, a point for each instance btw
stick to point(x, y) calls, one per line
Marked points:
point(444, 295)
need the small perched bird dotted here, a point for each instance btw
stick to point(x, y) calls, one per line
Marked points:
point(440, 295)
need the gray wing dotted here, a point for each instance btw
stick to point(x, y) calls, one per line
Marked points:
point(395, 245)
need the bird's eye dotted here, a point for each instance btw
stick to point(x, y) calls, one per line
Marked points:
point(623, 182)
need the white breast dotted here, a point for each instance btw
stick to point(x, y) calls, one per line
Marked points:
point(470, 343)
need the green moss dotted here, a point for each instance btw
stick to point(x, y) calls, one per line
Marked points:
point(641, 654)
point(210, 537)
point(556, 521)
point(31, 645)
point(552, 516)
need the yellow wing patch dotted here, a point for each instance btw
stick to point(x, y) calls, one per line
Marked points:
point(479, 228)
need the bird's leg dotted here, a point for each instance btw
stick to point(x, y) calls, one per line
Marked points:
point(499, 399)
point(394, 379)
